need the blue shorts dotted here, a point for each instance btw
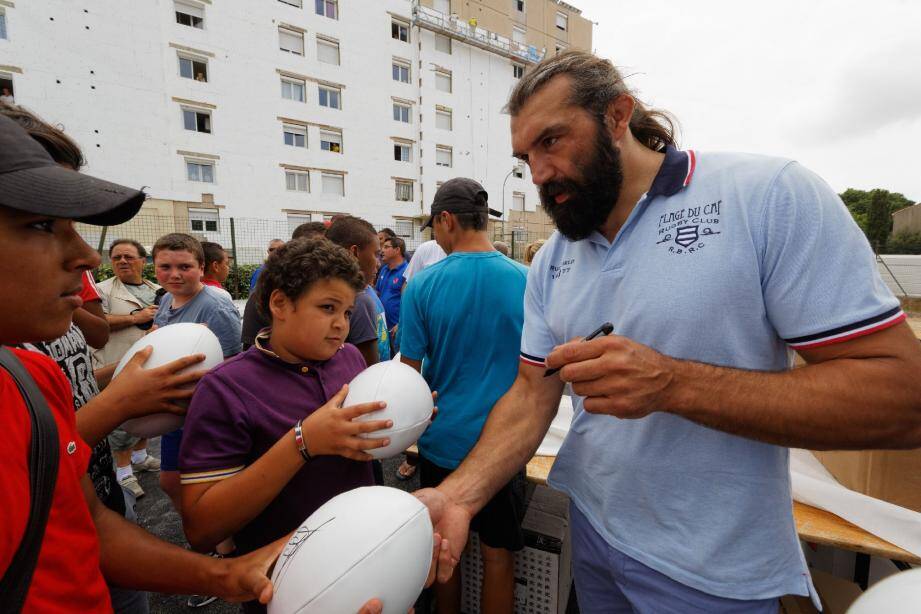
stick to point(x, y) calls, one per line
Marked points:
point(610, 582)
point(169, 450)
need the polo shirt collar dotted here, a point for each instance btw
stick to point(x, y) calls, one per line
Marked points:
point(261, 344)
point(675, 173)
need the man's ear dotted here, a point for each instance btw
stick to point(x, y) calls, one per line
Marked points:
point(353, 249)
point(618, 115)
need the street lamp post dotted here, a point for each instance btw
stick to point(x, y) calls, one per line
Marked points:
point(504, 181)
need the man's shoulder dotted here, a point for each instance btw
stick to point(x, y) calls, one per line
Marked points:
point(106, 285)
point(738, 168)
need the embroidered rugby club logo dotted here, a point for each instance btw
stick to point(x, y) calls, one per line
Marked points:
point(688, 230)
point(685, 235)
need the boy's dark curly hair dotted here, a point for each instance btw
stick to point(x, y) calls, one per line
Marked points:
point(295, 266)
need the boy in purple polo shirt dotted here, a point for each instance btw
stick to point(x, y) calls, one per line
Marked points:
point(244, 472)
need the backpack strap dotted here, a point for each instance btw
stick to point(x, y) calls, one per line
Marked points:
point(44, 452)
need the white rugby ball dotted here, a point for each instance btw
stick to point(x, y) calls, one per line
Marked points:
point(408, 398)
point(898, 594)
point(170, 343)
point(367, 543)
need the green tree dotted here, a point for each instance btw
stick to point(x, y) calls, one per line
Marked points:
point(858, 203)
point(879, 220)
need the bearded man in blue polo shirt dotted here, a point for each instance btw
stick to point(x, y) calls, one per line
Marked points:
point(713, 269)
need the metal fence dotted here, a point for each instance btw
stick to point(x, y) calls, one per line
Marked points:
point(245, 239)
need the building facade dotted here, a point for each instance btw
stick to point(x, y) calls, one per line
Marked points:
point(285, 111)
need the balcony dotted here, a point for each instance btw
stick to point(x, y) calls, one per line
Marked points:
point(451, 26)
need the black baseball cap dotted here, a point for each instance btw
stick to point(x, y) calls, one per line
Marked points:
point(460, 195)
point(31, 181)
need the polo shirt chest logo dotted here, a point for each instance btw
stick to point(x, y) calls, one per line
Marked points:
point(688, 230)
point(564, 267)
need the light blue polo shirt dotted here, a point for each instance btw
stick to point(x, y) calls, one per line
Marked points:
point(732, 260)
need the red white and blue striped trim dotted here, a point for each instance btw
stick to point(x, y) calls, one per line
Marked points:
point(692, 164)
point(850, 331)
point(533, 360)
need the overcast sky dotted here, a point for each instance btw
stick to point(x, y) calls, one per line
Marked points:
point(835, 85)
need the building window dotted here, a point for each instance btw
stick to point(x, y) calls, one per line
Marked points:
point(334, 183)
point(328, 8)
point(399, 30)
point(443, 156)
point(193, 68)
point(3, 24)
point(517, 201)
point(191, 15)
point(442, 6)
point(196, 120)
point(403, 190)
point(560, 49)
point(444, 119)
point(400, 71)
point(442, 44)
point(291, 41)
point(562, 22)
point(330, 97)
point(517, 71)
point(519, 5)
point(200, 171)
point(401, 112)
point(402, 152)
point(328, 50)
point(519, 35)
point(6, 88)
point(296, 3)
point(443, 81)
point(518, 171)
point(295, 136)
point(296, 219)
point(331, 141)
point(296, 181)
point(203, 220)
point(293, 89)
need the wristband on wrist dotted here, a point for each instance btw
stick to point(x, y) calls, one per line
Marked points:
point(299, 440)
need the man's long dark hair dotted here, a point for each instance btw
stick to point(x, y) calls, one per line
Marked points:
point(595, 84)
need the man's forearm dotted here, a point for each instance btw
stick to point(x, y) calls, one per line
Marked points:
point(98, 418)
point(513, 432)
point(119, 322)
point(95, 327)
point(843, 404)
point(177, 570)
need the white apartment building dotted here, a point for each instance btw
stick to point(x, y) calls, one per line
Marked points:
point(284, 111)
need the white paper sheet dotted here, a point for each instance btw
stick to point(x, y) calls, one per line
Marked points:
point(550, 446)
point(815, 486)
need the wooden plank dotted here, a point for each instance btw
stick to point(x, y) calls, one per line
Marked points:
point(821, 527)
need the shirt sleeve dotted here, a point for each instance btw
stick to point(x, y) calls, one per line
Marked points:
point(819, 277)
point(216, 439)
point(414, 265)
point(362, 326)
point(88, 292)
point(224, 322)
point(413, 336)
point(537, 339)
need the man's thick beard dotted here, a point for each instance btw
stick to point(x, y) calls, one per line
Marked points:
point(590, 200)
